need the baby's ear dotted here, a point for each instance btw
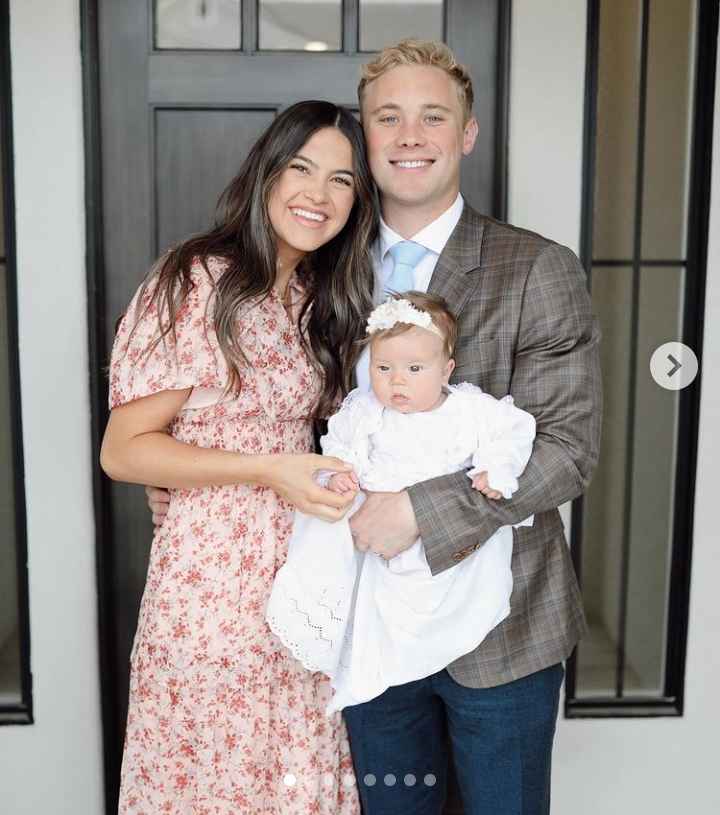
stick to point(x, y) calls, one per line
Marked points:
point(449, 368)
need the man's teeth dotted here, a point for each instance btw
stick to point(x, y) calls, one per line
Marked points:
point(313, 216)
point(411, 164)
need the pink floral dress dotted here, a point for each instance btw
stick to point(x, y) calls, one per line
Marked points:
point(222, 719)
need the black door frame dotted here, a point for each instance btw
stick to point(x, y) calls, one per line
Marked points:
point(97, 331)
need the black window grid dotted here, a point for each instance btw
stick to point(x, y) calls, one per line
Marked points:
point(671, 701)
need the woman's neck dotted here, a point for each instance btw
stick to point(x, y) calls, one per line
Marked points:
point(283, 273)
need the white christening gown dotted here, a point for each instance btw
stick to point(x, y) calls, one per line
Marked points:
point(369, 623)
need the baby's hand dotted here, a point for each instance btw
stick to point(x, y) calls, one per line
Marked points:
point(344, 483)
point(480, 483)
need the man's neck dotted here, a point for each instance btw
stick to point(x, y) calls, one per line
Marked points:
point(409, 220)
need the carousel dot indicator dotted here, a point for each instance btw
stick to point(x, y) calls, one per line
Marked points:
point(369, 780)
point(289, 780)
point(390, 780)
point(348, 780)
point(410, 780)
point(430, 780)
point(328, 779)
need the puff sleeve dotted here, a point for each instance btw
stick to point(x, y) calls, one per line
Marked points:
point(349, 430)
point(142, 364)
point(505, 442)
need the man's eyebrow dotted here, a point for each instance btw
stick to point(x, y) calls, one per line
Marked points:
point(437, 106)
point(428, 106)
point(313, 164)
point(386, 106)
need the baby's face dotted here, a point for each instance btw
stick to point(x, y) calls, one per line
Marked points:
point(407, 372)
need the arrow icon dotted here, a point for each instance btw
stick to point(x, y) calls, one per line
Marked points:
point(676, 365)
point(673, 366)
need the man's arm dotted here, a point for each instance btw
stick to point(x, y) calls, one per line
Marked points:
point(556, 378)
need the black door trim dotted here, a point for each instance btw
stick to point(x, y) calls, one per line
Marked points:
point(94, 261)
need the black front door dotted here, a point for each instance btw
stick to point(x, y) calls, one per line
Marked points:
point(185, 87)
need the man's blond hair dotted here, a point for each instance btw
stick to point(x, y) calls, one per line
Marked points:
point(421, 52)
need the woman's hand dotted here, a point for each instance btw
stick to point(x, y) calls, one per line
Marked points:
point(292, 477)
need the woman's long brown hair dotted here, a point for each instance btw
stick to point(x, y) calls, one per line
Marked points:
point(338, 276)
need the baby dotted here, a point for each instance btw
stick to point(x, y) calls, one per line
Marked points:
point(410, 367)
point(365, 622)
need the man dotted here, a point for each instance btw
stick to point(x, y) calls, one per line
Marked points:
point(525, 328)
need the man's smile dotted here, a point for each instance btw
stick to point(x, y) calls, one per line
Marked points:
point(412, 164)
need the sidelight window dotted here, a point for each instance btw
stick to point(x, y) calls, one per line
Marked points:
point(645, 221)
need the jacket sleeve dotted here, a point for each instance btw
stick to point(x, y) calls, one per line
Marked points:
point(556, 378)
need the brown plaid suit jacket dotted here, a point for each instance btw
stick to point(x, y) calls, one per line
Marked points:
point(525, 327)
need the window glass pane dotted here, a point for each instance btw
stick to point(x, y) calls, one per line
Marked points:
point(214, 24)
point(649, 487)
point(668, 123)
point(10, 687)
point(617, 120)
point(300, 25)
point(383, 22)
point(653, 485)
point(602, 533)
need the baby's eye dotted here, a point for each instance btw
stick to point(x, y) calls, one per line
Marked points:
point(415, 368)
point(383, 368)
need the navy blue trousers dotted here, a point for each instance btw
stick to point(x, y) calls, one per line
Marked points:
point(500, 738)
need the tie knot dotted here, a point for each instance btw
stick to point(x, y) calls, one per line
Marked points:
point(407, 253)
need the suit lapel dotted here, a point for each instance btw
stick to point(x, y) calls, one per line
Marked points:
point(451, 278)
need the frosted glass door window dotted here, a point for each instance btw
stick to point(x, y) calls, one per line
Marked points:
point(384, 23)
point(198, 24)
point(300, 25)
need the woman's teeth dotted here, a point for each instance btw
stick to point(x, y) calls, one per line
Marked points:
point(312, 216)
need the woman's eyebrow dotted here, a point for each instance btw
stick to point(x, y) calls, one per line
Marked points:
point(313, 164)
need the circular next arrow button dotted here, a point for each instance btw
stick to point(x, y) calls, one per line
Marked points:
point(673, 366)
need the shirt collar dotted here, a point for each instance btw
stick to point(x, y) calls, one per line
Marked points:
point(434, 236)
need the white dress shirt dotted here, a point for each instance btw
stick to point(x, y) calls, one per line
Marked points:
point(433, 237)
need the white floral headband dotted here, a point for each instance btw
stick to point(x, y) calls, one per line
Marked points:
point(394, 311)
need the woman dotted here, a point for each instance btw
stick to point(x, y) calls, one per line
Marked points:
point(239, 338)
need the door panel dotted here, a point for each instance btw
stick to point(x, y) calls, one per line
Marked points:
point(210, 141)
point(175, 126)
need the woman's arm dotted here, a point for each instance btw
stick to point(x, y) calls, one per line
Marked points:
point(137, 449)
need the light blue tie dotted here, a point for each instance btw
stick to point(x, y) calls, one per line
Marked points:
point(406, 255)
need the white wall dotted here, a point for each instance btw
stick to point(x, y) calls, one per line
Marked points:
point(546, 112)
point(54, 766)
point(634, 766)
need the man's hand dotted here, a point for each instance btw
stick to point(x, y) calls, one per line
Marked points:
point(385, 524)
point(158, 501)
